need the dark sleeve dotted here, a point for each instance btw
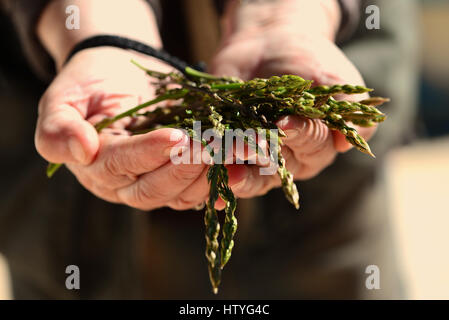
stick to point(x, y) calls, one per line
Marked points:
point(24, 15)
point(350, 16)
point(350, 13)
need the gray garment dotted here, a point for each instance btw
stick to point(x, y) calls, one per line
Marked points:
point(24, 15)
point(350, 15)
point(322, 252)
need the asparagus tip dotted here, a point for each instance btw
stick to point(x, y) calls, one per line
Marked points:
point(368, 151)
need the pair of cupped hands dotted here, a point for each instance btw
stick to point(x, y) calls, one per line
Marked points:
point(136, 170)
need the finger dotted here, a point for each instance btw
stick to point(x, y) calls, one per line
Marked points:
point(248, 181)
point(219, 204)
point(63, 136)
point(109, 105)
point(122, 158)
point(63, 133)
point(310, 140)
point(198, 191)
point(251, 183)
point(157, 188)
point(194, 195)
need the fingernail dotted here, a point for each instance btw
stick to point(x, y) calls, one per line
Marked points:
point(178, 136)
point(77, 151)
point(181, 146)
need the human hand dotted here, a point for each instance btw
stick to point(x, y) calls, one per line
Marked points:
point(286, 40)
point(117, 167)
point(101, 82)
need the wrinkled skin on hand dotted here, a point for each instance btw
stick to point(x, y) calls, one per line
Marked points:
point(136, 170)
point(310, 146)
point(116, 167)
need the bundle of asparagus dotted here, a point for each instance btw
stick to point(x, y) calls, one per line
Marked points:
point(224, 103)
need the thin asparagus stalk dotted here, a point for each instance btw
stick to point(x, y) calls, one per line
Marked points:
point(213, 228)
point(230, 223)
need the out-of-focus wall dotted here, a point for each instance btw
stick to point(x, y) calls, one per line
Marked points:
point(417, 180)
point(417, 175)
point(434, 93)
point(5, 288)
point(435, 41)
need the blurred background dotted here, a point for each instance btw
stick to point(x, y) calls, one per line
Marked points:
point(417, 173)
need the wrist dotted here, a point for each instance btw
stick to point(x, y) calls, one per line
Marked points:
point(317, 17)
point(102, 58)
point(133, 19)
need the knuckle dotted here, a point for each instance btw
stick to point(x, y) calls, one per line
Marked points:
point(185, 173)
point(144, 195)
point(139, 198)
point(111, 165)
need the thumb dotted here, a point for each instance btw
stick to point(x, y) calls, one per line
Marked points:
point(64, 136)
